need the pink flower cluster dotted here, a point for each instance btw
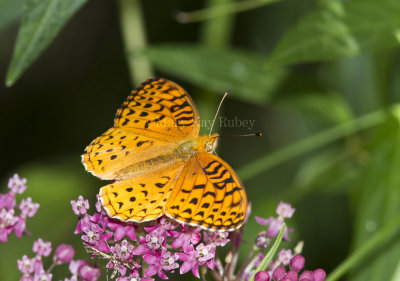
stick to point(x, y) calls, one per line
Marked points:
point(9, 220)
point(161, 247)
point(286, 257)
point(296, 264)
point(32, 268)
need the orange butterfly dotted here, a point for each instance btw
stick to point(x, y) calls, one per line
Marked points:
point(162, 165)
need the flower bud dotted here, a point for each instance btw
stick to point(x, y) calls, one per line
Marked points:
point(319, 274)
point(292, 275)
point(297, 263)
point(262, 276)
point(279, 273)
point(89, 273)
point(307, 275)
point(64, 254)
point(262, 241)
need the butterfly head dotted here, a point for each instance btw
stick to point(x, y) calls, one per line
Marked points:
point(211, 142)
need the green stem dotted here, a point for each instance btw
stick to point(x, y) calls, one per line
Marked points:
point(214, 33)
point(361, 253)
point(221, 10)
point(270, 160)
point(134, 37)
point(217, 32)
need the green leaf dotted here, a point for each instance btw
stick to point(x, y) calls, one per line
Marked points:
point(269, 160)
point(271, 253)
point(338, 30)
point(329, 106)
point(10, 11)
point(331, 171)
point(379, 203)
point(42, 21)
point(218, 69)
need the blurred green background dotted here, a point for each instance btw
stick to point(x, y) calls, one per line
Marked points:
point(320, 78)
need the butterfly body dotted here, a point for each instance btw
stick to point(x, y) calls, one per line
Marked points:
point(161, 165)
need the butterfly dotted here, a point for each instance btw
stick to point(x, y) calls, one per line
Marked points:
point(161, 166)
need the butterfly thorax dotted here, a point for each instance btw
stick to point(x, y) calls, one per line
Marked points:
point(207, 143)
point(175, 156)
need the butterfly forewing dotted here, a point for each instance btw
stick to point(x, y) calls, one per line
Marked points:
point(154, 117)
point(159, 108)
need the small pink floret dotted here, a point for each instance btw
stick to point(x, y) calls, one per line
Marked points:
point(41, 247)
point(285, 210)
point(17, 184)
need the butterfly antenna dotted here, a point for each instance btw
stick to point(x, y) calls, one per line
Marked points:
point(219, 106)
point(258, 134)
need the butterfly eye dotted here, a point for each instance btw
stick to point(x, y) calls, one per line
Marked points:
point(209, 147)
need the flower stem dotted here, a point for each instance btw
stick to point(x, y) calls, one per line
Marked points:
point(221, 10)
point(50, 268)
point(345, 129)
point(389, 230)
point(134, 37)
point(245, 263)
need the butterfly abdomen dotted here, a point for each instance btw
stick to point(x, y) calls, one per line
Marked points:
point(173, 158)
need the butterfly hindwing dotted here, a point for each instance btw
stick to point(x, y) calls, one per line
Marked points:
point(209, 194)
point(141, 198)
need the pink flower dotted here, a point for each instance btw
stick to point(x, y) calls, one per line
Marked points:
point(164, 226)
point(7, 200)
point(124, 250)
point(64, 254)
point(99, 207)
point(26, 265)
point(121, 229)
point(28, 208)
point(148, 245)
point(159, 262)
point(284, 256)
point(41, 247)
point(188, 235)
point(80, 206)
point(218, 238)
point(20, 226)
point(134, 276)
point(42, 276)
point(7, 223)
point(17, 184)
point(262, 241)
point(192, 259)
point(285, 210)
point(94, 237)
